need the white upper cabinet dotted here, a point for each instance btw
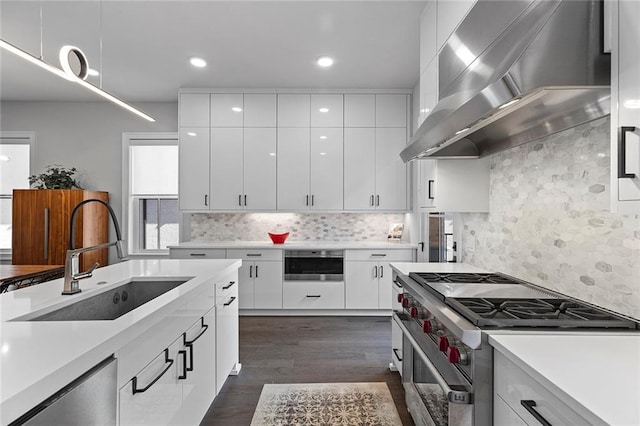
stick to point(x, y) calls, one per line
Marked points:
point(359, 110)
point(391, 110)
point(326, 111)
point(294, 110)
point(625, 116)
point(193, 158)
point(227, 110)
point(391, 172)
point(194, 110)
point(226, 168)
point(326, 169)
point(259, 177)
point(293, 168)
point(259, 110)
point(449, 14)
point(428, 26)
point(359, 168)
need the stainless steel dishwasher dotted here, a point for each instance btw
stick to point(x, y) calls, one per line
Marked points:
point(88, 400)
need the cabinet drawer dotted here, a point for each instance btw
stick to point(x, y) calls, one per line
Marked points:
point(514, 385)
point(205, 253)
point(226, 289)
point(259, 254)
point(402, 255)
point(313, 295)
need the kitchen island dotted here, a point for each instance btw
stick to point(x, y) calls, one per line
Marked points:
point(38, 358)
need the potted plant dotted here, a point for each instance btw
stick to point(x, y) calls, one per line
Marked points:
point(55, 177)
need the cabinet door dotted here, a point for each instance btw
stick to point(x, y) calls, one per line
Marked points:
point(628, 57)
point(268, 285)
point(426, 183)
point(259, 169)
point(462, 185)
point(428, 24)
point(359, 110)
point(428, 89)
point(199, 387)
point(259, 110)
point(391, 110)
point(293, 169)
point(194, 168)
point(359, 168)
point(396, 345)
point(385, 286)
point(326, 111)
point(246, 285)
point(161, 403)
point(227, 335)
point(327, 169)
point(31, 227)
point(294, 110)
point(227, 110)
point(226, 168)
point(194, 110)
point(391, 172)
point(361, 284)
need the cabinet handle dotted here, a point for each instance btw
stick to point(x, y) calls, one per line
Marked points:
point(134, 381)
point(245, 199)
point(375, 272)
point(313, 295)
point(46, 234)
point(250, 271)
point(307, 199)
point(312, 198)
point(227, 287)
point(256, 271)
point(233, 298)
point(529, 405)
point(381, 271)
point(240, 199)
point(378, 254)
point(254, 254)
point(206, 200)
point(622, 152)
point(421, 244)
point(430, 189)
point(377, 200)
point(183, 354)
point(197, 254)
point(371, 201)
point(395, 352)
point(189, 343)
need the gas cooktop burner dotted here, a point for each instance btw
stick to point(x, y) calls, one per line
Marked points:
point(463, 278)
point(535, 313)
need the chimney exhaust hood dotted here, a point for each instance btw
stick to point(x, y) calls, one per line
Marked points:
point(515, 71)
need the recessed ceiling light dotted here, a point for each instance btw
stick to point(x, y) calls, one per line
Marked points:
point(192, 134)
point(236, 109)
point(4, 158)
point(323, 153)
point(198, 62)
point(632, 103)
point(93, 73)
point(323, 137)
point(325, 61)
point(273, 154)
point(324, 110)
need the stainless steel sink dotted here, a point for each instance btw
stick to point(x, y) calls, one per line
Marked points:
point(111, 304)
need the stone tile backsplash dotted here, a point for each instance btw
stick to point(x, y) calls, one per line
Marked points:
point(210, 227)
point(550, 223)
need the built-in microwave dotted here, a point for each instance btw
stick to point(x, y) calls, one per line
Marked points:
point(314, 265)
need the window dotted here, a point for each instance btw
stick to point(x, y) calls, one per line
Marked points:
point(16, 153)
point(152, 214)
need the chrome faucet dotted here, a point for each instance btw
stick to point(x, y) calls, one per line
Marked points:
point(72, 272)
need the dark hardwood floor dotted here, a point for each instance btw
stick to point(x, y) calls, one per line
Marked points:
point(306, 350)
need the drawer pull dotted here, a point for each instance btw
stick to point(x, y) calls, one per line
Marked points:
point(378, 255)
point(197, 254)
point(381, 271)
point(227, 287)
point(622, 152)
point(529, 405)
point(313, 295)
point(254, 254)
point(233, 298)
point(395, 352)
point(134, 381)
point(189, 343)
point(183, 354)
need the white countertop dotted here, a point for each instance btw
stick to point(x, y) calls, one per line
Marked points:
point(596, 374)
point(293, 245)
point(405, 267)
point(39, 358)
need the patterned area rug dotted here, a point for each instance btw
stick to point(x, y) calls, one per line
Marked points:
point(325, 404)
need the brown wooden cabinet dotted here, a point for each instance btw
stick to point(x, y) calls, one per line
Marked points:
point(40, 227)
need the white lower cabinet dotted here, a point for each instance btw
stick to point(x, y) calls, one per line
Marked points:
point(260, 280)
point(369, 279)
point(313, 295)
point(203, 253)
point(227, 331)
point(526, 398)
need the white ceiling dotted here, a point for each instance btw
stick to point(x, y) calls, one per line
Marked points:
point(248, 44)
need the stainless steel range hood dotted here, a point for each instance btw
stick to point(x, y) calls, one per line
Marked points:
point(515, 71)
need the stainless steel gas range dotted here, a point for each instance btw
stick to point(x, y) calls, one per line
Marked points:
point(447, 362)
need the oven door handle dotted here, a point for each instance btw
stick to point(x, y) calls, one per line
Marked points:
point(454, 396)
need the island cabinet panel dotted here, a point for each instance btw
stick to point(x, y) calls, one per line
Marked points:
point(41, 226)
point(227, 330)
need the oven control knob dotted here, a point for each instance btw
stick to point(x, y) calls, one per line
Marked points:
point(418, 312)
point(456, 356)
point(407, 302)
point(400, 297)
point(429, 326)
point(443, 343)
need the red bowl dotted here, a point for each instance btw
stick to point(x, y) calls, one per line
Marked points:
point(278, 238)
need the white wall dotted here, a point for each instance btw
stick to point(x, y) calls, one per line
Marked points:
point(85, 135)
